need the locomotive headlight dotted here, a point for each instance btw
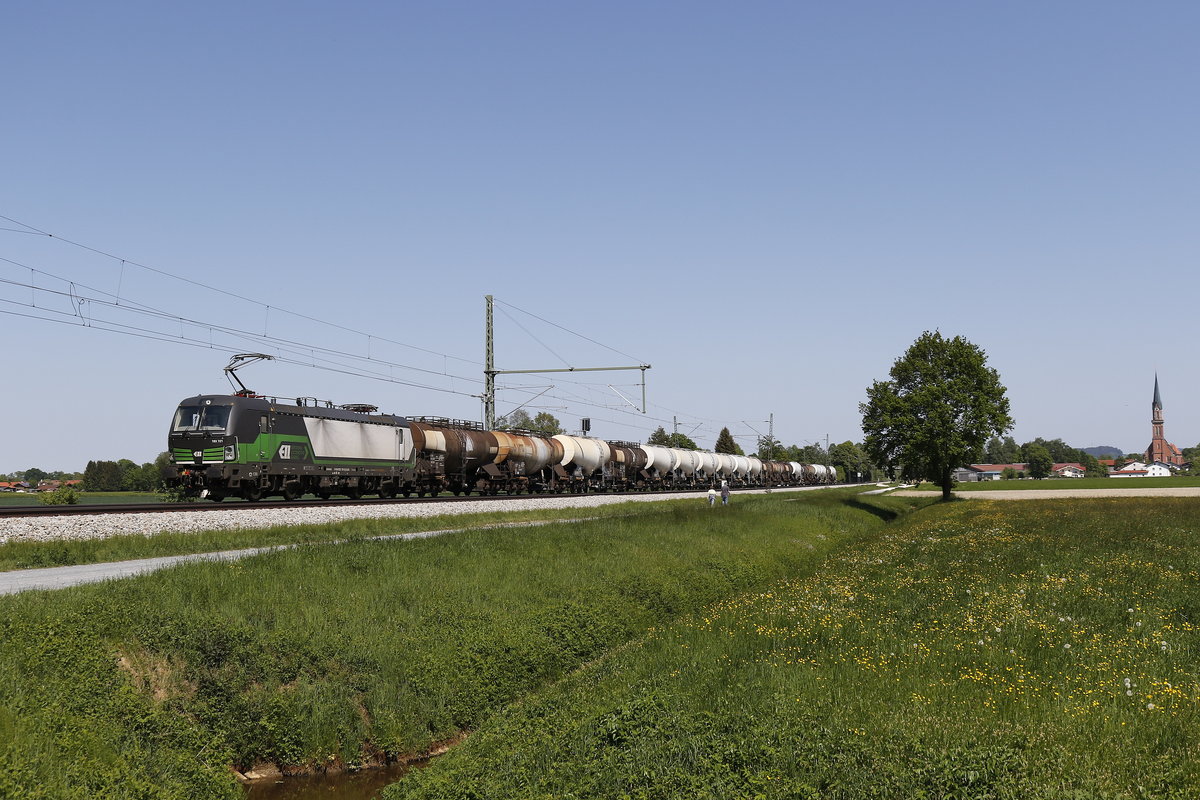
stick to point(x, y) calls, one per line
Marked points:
point(231, 452)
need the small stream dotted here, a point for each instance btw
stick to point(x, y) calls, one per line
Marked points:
point(365, 784)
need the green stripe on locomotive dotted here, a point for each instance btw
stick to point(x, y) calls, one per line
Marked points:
point(266, 431)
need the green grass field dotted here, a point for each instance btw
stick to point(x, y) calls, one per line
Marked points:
point(1071, 483)
point(153, 687)
point(811, 645)
point(85, 498)
point(972, 650)
point(30, 554)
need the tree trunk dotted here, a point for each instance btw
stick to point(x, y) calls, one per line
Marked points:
point(947, 483)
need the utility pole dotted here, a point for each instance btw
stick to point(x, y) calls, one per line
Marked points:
point(490, 372)
point(770, 446)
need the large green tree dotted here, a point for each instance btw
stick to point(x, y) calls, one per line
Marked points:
point(726, 444)
point(33, 475)
point(1001, 451)
point(769, 448)
point(808, 454)
point(682, 442)
point(852, 459)
point(660, 437)
point(1039, 459)
point(941, 405)
point(1060, 452)
point(102, 476)
point(1092, 466)
point(544, 423)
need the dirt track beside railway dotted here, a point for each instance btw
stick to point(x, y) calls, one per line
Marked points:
point(1053, 494)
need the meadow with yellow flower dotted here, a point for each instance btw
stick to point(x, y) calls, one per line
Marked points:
point(974, 649)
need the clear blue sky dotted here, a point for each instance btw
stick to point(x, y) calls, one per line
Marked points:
point(766, 201)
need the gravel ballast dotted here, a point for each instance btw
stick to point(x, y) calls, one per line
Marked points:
point(46, 529)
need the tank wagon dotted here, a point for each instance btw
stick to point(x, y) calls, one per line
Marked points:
point(252, 446)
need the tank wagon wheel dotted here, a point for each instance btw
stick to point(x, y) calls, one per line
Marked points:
point(291, 492)
point(216, 497)
point(387, 491)
point(324, 494)
point(353, 492)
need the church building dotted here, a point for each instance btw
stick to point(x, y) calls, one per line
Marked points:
point(1160, 450)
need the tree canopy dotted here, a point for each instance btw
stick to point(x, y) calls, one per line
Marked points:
point(851, 458)
point(544, 423)
point(726, 444)
point(1001, 451)
point(660, 437)
point(769, 448)
point(682, 442)
point(808, 454)
point(938, 410)
point(33, 475)
point(1039, 459)
point(1092, 466)
point(1060, 452)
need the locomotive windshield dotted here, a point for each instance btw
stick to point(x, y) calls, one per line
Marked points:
point(201, 418)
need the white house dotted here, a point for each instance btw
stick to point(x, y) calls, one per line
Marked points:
point(1136, 469)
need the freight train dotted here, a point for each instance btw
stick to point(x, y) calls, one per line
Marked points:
point(251, 446)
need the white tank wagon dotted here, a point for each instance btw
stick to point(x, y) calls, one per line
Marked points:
point(741, 470)
point(686, 461)
point(823, 474)
point(660, 462)
point(580, 464)
point(706, 469)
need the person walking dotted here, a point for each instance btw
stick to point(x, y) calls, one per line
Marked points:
point(724, 493)
point(712, 496)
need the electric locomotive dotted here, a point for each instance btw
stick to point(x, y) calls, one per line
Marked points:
point(252, 446)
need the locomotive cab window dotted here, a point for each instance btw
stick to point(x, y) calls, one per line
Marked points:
point(202, 418)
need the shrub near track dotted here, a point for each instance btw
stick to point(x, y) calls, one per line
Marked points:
point(332, 655)
point(975, 650)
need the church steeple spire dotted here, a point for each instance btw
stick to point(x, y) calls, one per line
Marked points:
point(1160, 450)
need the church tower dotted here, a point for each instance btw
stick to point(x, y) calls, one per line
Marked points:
point(1160, 449)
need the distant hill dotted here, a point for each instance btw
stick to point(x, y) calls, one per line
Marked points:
point(1104, 451)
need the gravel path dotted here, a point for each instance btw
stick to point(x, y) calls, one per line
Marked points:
point(24, 580)
point(45, 529)
point(48, 529)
